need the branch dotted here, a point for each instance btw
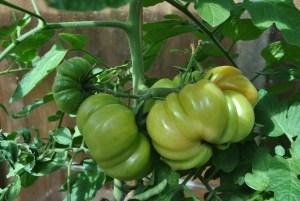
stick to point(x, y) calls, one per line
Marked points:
point(22, 10)
point(184, 10)
point(111, 24)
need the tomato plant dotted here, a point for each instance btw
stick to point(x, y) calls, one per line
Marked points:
point(151, 136)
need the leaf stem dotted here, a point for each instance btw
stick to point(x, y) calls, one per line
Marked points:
point(210, 34)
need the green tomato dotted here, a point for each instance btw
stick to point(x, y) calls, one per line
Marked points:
point(244, 115)
point(185, 125)
point(179, 125)
point(68, 88)
point(231, 78)
point(111, 134)
point(162, 83)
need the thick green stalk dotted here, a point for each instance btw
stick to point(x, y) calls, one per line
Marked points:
point(134, 34)
point(135, 44)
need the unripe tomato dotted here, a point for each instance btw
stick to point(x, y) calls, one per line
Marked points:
point(111, 134)
point(214, 110)
point(230, 78)
point(162, 83)
point(68, 88)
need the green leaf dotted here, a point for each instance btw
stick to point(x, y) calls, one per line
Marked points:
point(241, 29)
point(82, 5)
point(162, 172)
point(5, 31)
point(276, 175)
point(42, 68)
point(227, 159)
point(257, 180)
point(214, 12)
point(86, 183)
point(287, 120)
point(295, 156)
point(76, 41)
point(9, 33)
point(282, 13)
point(63, 136)
point(27, 179)
point(278, 118)
point(27, 109)
point(9, 150)
point(280, 51)
point(27, 50)
point(45, 166)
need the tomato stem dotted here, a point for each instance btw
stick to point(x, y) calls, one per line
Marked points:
point(135, 44)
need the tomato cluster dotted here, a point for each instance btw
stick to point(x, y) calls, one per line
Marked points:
point(182, 128)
